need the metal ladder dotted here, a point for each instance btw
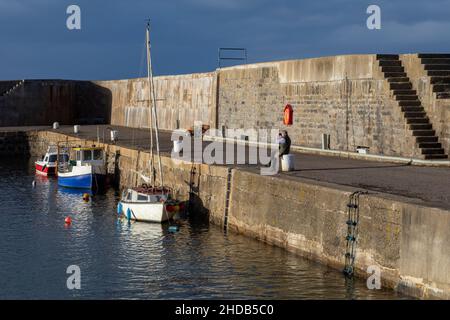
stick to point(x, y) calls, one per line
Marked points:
point(352, 232)
point(191, 188)
point(227, 200)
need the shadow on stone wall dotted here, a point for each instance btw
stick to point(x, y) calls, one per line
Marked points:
point(42, 102)
point(93, 104)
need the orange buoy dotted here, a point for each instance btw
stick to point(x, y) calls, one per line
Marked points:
point(68, 220)
point(86, 196)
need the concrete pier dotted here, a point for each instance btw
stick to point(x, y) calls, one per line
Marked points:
point(395, 105)
point(404, 219)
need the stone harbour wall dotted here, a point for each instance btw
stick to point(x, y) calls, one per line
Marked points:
point(181, 100)
point(42, 102)
point(345, 97)
point(408, 241)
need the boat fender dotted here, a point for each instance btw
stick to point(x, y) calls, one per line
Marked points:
point(129, 214)
point(86, 197)
point(173, 229)
point(119, 209)
point(68, 220)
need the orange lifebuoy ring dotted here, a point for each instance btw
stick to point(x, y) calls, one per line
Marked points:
point(288, 118)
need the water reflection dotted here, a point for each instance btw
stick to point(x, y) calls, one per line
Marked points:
point(137, 260)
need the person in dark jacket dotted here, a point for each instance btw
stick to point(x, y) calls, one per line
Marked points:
point(285, 143)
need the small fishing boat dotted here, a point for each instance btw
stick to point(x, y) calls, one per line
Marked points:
point(150, 203)
point(87, 171)
point(47, 165)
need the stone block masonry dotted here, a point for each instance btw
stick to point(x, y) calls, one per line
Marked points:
point(180, 100)
point(348, 97)
point(407, 240)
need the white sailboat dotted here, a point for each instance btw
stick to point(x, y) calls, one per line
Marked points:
point(150, 203)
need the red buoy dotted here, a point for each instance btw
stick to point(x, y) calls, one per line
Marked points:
point(68, 220)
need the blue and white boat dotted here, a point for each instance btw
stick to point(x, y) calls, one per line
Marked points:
point(87, 171)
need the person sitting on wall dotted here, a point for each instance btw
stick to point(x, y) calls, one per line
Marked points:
point(284, 143)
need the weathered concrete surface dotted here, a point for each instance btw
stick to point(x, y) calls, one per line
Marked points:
point(181, 100)
point(423, 185)
point(42, 102)
point(407, 240)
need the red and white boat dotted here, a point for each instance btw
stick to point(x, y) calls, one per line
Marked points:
point(47, 165)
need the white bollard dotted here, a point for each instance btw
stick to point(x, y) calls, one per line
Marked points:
point(55, 125)
point(287, 162)
point(76, 128)
point(114, 135)
point(177, 146)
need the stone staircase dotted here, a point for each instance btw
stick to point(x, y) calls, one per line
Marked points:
point(413, 111)
point(437, 66)
point(10, 90)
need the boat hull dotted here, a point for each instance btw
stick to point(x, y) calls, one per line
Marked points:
point(44, 169)
point(147, 212)
point(84, 177)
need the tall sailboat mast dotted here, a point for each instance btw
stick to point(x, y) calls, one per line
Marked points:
point(150, 121)
point(151, 87)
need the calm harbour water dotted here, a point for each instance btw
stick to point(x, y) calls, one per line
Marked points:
point(139, 260)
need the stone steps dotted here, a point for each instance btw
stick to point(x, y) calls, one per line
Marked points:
point(388, 57)
point(437, 80)
point(438, 68)
point(432, 151)
point(398, 79)
point(394, 75)
point(400, 86)
point(404, 92)
point(412, 109)
point(443, 95)
point(404, 103)
point(435, 55)
point(409, 102)
point(423, 133)
point(436, 60)
point(441, 88)
point(393, 69)
point(417, 120)
point(421, 126)
point(426, 139)
point(406, 97)
point(429, 145)
point(12, 89)
point(438, 73)
point(390, 63)
point(435, 156)
point(414, 114)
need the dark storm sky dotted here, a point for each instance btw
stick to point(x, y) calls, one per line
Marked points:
point(35, 42)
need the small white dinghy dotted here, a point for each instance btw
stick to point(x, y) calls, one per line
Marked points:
point(149, 204)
